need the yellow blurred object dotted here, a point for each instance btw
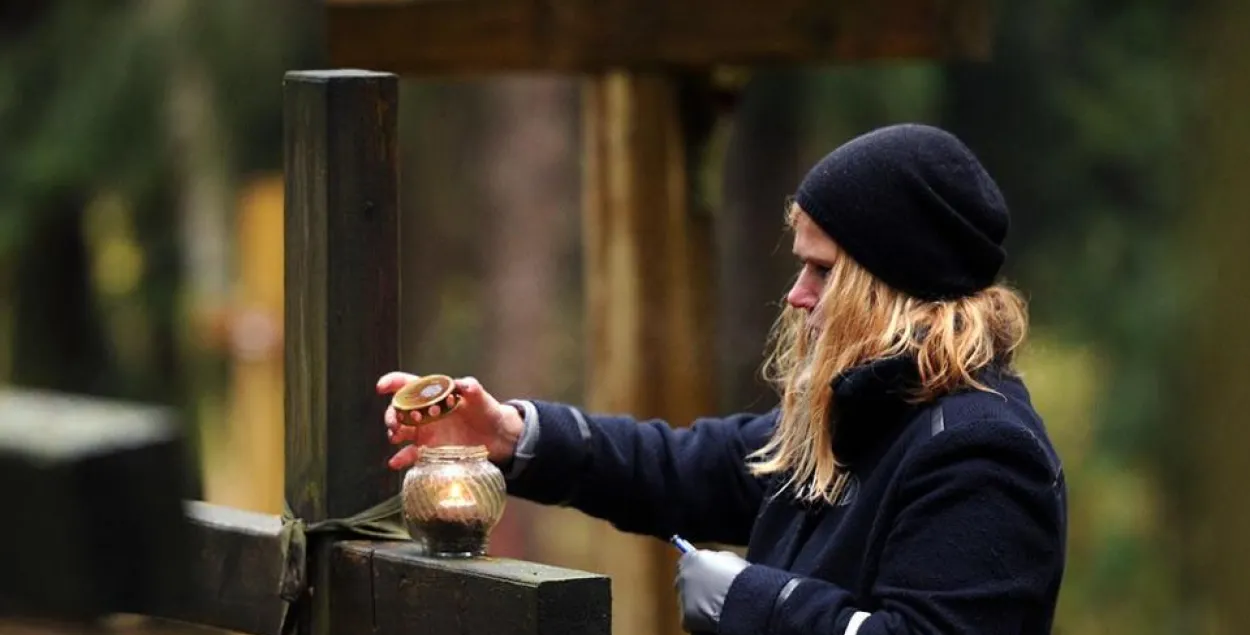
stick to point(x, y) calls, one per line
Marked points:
point(244, 461)
point(1065, 381)
point(109, 226)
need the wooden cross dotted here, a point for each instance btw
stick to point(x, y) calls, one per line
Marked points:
point(94, 488)
point(650, 102)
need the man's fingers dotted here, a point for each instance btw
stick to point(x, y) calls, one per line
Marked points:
point(404, 458)
point(393, 381)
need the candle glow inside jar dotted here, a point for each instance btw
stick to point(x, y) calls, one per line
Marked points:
point(453, 497)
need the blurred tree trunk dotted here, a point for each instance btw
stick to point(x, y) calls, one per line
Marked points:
point(51, 325)
point(58, 341)
point(529, 177)
point(422, 182)
point(763, 165)
point(1216, 377)
point(441, 227)
point(17, 16)
point(203, 173)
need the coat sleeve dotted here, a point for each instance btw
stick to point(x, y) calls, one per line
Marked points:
point(976, 548)
point(646, 477)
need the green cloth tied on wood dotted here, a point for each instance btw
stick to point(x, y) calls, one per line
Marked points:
point(380, 522)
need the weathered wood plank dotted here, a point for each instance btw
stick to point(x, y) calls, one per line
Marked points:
point(235, 572)
point(342, 286)
point(484, 36)
point(342, 298)
point(413, 593)
point(648, 293)
point(92, 491)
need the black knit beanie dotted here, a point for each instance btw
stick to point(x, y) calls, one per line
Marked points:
point(912, 205)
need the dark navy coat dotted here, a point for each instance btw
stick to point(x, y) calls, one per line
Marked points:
point(954, 521)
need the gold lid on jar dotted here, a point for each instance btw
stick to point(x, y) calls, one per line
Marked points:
point(431, 396)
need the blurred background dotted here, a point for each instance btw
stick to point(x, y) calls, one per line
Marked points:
point(141, 250)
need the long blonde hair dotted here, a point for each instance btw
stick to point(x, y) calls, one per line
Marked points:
point(863, 320)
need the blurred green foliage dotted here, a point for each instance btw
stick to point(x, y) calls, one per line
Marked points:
point(88, 111)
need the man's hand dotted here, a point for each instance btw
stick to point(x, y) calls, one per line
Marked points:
point(703, 579)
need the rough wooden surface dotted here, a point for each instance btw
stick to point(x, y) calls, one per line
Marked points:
point(341, 307)
point(647, 253)
point(483, 36)
point(389, 589)
point(92, 491)
point(236, 568)
point(342, 287)
point(117, 624)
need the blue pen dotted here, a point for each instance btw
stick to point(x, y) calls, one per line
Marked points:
point(681, 544)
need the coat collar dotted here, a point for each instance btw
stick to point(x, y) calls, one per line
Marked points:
point(871, 404)
point(889, 379)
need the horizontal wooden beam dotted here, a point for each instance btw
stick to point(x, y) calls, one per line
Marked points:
point(91, 491)
point(437, 37)
point(390, 589)
point(235, 574)
point(235, 564)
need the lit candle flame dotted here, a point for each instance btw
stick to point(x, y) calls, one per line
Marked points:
point(455, 496)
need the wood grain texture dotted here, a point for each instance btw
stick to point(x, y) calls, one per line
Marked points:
point(648, 292)
point(389, 589)
point(342, 287)
point(342, 298)
point(483, 36)
point(646, 251)
point(235, 571)
point(92, 491)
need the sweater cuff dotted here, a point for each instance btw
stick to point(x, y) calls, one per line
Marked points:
point(560, 449)
point(749, 604)
point(528, 442)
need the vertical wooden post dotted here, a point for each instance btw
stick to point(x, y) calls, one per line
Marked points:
point(341, 299)
point(1202, 480)
point(648, 299)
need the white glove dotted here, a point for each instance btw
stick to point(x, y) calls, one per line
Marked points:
point(703, 579)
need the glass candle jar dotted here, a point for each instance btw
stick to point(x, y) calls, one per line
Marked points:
point(453, 497)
